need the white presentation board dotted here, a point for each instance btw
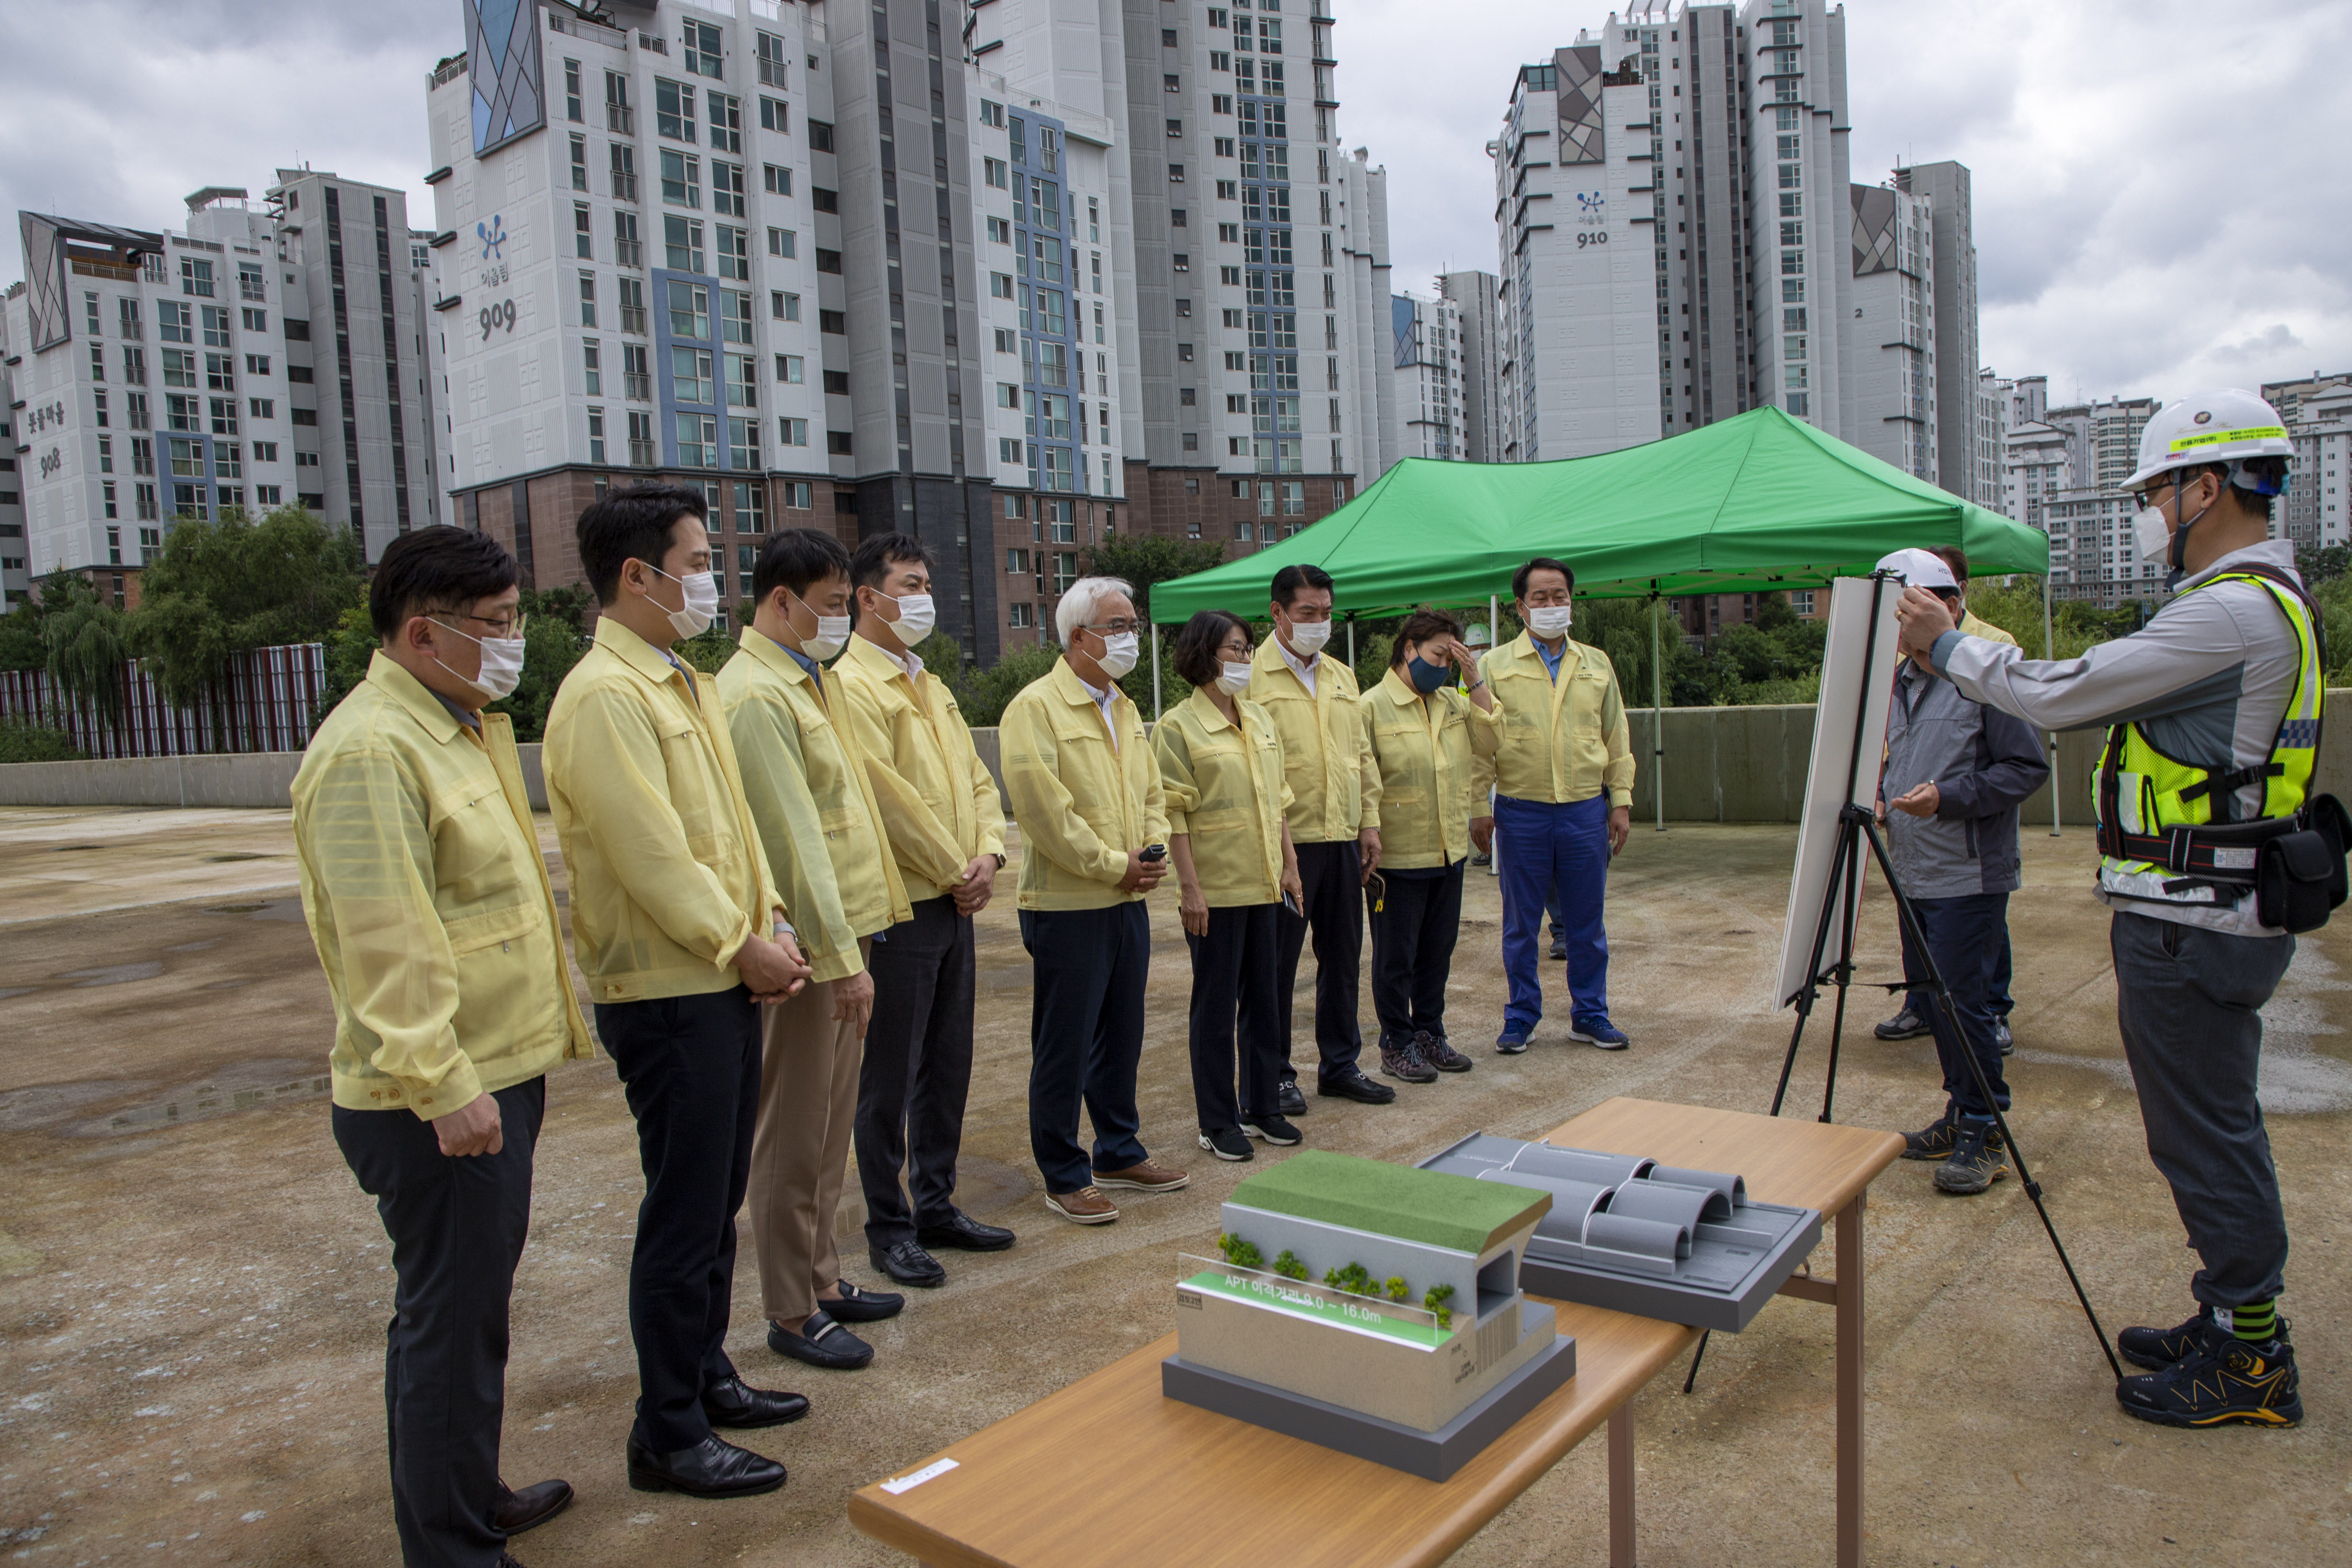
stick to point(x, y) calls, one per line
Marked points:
point(1856, 637)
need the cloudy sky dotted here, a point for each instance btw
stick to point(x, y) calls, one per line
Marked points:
point(2162, 187)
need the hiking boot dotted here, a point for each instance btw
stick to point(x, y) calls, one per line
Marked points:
point(1904, 1025)
point(1403, 1062)
point(1933, 1142)
point(2156, 1349)
point(2224, 1381)
point(1436, 1052)
point(1977, 1160)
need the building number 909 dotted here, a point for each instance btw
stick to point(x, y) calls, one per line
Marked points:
point(1591, 236)
point(494, 317)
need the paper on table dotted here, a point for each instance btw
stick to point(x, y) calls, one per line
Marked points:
point(905, 1483)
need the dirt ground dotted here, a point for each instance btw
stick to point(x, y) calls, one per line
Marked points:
point(192, 1291)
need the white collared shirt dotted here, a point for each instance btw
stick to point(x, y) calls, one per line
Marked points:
point(912, 663)
point(1102, 696)
point(1303, 668)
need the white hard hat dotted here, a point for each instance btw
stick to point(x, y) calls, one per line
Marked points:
point(2220, 427)
point(1476, 636)
point(1920, 569)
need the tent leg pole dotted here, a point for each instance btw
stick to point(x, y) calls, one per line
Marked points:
point(1351, 644)
point(1155, 672)
point(1657, 723)
point(2050, 650)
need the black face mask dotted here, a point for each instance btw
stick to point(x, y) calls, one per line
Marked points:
point(1425, 677)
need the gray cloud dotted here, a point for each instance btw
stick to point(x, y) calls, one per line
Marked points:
point(2160, 185)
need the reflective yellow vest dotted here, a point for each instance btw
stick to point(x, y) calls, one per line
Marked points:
point(2152, 807)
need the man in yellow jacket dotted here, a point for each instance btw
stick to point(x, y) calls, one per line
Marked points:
point(945, 822)
point(1086, 791)
point(1563, 785)
point(1334, 824)
point(805, 776)
point(671, 908)
point(430, 905)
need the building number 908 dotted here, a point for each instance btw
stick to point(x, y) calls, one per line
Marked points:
point(1591, 236)
point(494, 317)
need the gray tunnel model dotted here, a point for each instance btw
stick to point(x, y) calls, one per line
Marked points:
point(1634, 1236)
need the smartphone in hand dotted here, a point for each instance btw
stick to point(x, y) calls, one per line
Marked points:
point(1291, 903)
point(1157, 852)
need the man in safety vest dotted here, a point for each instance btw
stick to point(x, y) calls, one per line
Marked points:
point(2212, 713)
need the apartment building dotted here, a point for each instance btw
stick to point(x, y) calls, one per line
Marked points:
point(2319, 415)
point(1672, 213)
point(1474, 294)
point(267, 353)
point(1963, 464)
point(15, 566)
point(1431, 394)
point(1889, 376)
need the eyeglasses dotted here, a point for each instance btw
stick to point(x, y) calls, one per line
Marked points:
point(502, 626)
point(1113, 628)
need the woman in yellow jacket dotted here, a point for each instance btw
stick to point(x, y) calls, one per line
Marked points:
point(1424, 733)
point(1221, 768)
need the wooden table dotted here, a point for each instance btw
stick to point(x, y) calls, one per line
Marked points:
point(1108, 1470)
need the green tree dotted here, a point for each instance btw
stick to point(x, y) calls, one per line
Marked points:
point(223, 586)
point(2323, 565)
point(982, 694)
point(2014, 605)
point(24, 643)
point(1147, 560)
point(21, 741)
point(86, 646)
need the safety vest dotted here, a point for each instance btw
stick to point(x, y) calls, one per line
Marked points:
point(2167, 828)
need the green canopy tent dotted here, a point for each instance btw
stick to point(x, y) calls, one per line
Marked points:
point(1757, 503)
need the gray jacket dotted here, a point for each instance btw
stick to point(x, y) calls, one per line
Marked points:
point(1983, 765)
point(2207, 679)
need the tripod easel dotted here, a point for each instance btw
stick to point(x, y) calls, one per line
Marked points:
point(1840, 907)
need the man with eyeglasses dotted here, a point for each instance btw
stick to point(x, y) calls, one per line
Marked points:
point(430, 905)
point(1334, 824)
point(2212, 711)
point(1085, 792)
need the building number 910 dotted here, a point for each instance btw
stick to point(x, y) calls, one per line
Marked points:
point(1591, 236)
point(494, 317)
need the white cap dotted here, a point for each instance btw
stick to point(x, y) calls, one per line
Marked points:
point(1920, 569)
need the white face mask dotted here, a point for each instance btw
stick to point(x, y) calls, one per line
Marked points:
point(2152, 529)
point(1118, 656)
point(1549, 621)
point(1232, 677)
point(1307, 638)
point(917, 617)
point(501, 664)
point(702, 602)
point(832, 633)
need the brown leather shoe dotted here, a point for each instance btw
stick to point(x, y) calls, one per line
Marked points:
point(1145, 1177)
point(534, 1505)
point(1085, 1206)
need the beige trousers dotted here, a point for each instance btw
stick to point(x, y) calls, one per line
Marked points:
point(800, 1148)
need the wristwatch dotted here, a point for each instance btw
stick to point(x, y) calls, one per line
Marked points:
point(999, 862)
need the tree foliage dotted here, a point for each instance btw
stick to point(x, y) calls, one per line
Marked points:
point(223, 586)
point(78, 637)
point(1148, 560)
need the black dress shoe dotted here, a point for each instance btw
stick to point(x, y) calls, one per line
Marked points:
point(820, 1343)
point(737, 1404)
point(516, 1512)
point(1288, 1101)
point(857, 1306)
point(1355, 1085)
point(713, 1468)
point(908, 1264)
point(966, 1234)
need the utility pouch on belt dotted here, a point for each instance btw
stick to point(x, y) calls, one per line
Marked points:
point(2299, 877)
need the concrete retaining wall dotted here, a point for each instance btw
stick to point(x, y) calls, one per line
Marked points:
point(1722, 765)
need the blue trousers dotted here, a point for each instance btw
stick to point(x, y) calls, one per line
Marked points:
point(2002, 1002)
point(1965, 936)
point(1547, 850)
point(1086, 1035)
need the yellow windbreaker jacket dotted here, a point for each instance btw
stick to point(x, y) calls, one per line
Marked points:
point(430, 904)
point(1562, 741)
point(667, 875)
point(941, 808)
point(1081, 806)
point(1225, 790)
point(1335, 790)
point(1430, 755)
point(804, 775)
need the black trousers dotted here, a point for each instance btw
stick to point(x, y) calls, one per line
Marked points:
point(1330, 875)
point(690, 1066)
point(1233, 982)
point(457, 1226)
point(1414, 922)
point(2188, 1004)
point(1086, 1035)
point(917, 1073)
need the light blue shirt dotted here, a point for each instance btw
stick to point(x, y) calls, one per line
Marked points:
point(1551, 659)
